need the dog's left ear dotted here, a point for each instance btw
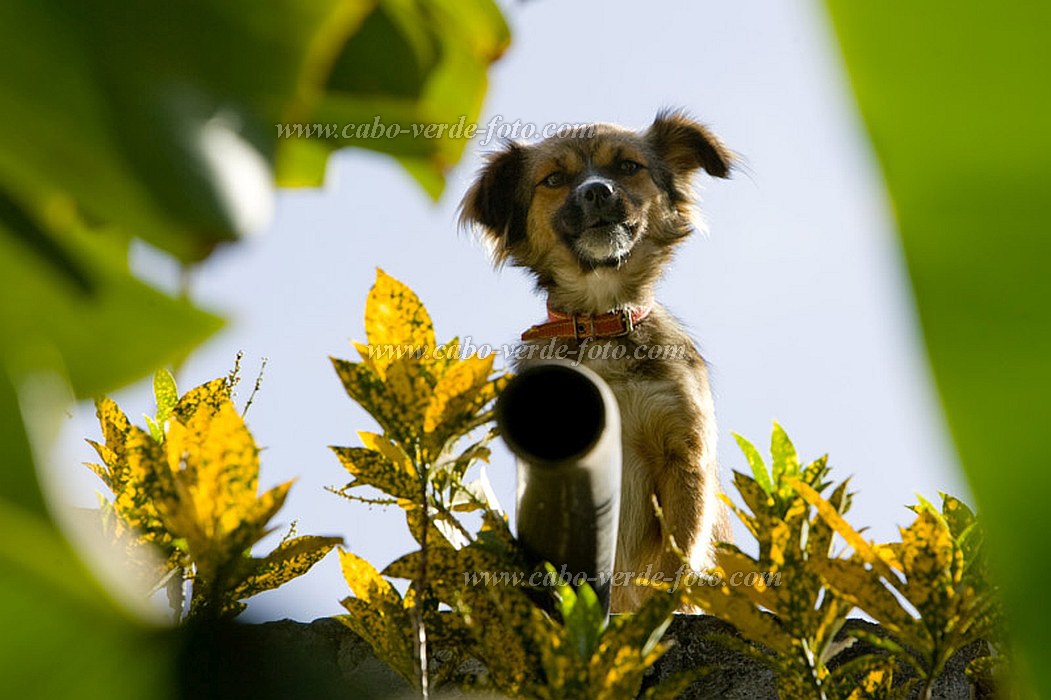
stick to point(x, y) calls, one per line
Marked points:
point(685, 145)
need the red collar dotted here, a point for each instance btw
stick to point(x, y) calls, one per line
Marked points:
point(612, 324)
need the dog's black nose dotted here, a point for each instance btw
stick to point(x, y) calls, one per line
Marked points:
point(596, 191)
point(597, 200)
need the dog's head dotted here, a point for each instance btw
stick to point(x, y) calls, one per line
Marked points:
point(595, 215)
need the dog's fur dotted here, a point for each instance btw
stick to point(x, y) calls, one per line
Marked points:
point(596, 219)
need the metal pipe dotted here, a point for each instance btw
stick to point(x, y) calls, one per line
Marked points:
point(563, 424)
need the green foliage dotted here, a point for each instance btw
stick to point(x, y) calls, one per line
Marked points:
point(930, 591)
point(544, 640)
point(427, 63)
point(126, 120)
point(788, 611)
point(951, 100)
point(185, 499)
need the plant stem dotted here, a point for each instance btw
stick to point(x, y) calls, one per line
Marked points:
point(421, 587)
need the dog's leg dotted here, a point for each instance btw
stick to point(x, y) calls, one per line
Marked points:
point(672, 444)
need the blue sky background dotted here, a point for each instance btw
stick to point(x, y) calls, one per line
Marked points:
point(797, 297)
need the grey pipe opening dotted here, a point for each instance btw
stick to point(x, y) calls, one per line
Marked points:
point(551, 414)
point(563, 424)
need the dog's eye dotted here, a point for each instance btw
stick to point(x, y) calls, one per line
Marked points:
point(628, 167)
point(556, 179)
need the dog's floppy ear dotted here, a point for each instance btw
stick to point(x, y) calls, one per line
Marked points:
point(685, 145)
point(494, 201)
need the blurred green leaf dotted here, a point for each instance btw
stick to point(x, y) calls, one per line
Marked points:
point(160, 122)
point(159, 119)
point(46, 320)
point(414, 64)
point(952, 101)
point(65, 639)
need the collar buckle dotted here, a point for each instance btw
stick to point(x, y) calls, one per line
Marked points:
point(627, 318)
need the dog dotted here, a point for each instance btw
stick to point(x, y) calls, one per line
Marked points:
point(596, 216)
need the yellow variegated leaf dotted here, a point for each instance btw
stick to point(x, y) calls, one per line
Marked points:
point(775, 542)
point(101, 471)
point(819, 534)
point(391, 450)
point(292, 558)
point(389, 636)
point(374, 468)
point(408, 388)
point(932, 565)
point(366, 582)
point(746, 519)
point(377, 614)
point(250, 527)
point(785, 459)
point(115, 428)
point(208, 396)
point(724, 602)
point(366, 353)
point(867, 677)
point(508, 627)
point(368, 390)
point(957, 515)
point(148, 487)
point(449, 358)
point(863, 587)
point(731, 563)
point(889, 554)
point(676, 685)
point(643, 629)
point(215, 460)
point(165, 393)
point(623, 677)
point(757, 500)
point(395, 318)
point(927, 548)
point(456, 396)
point(831, 616)
point(862, 547)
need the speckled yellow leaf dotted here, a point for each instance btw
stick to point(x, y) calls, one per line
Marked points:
point(165, 393)
point(852, 581)
point(216, 461)
point(785, 460)
point(724, 602)
point(251, 526)
point(372, 394)
point(859, 544)
point(373, 468)
point(392, 451)
point(409, 389)
point(208, 396)
point(147, 487)
point(395, 318)
point(731, 563)
point(377, 614)
point(389, 636)
point(292, 558)
point(930, 562)
point(457, 394)
point(115, 427)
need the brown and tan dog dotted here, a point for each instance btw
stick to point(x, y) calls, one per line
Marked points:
point(596, 216)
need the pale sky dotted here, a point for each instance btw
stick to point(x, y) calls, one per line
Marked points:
point(797, 297)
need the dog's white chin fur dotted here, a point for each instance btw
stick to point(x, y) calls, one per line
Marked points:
point(604, 246)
